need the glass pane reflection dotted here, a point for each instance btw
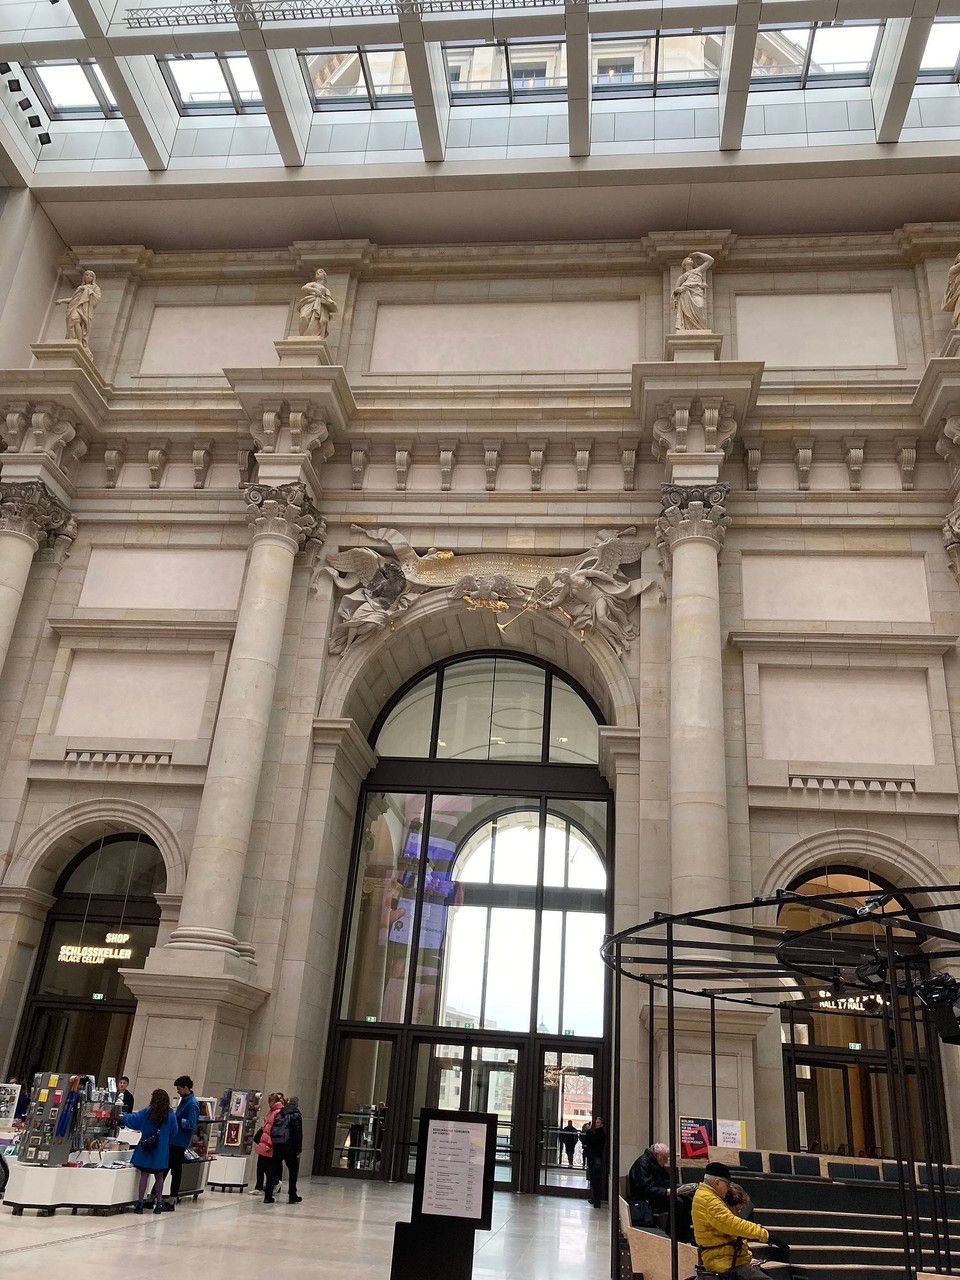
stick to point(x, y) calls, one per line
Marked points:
point(361, 1110)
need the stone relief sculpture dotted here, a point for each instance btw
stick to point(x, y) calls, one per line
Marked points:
point(951, 294)
point(316, 307)
point(690, 294)
point(80, 308)
point(588, 592)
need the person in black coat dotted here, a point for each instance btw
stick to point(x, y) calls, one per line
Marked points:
point(648, 1184)
point(594, 1142)
point(288, 1150)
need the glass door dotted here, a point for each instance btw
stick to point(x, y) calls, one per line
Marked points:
point(566, 1105)
point(466, 1077)
point(360, 1118)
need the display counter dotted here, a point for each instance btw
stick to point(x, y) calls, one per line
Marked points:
point(100, 1187)
point(229, 1173)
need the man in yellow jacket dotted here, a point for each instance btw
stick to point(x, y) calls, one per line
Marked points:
point(717, 1228)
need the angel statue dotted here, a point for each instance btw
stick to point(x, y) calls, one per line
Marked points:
point(594, 595)
point(689, 294)
point(378, 587)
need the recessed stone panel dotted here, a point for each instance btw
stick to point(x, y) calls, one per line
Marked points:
point(162, 578)
point(840, 588)
point(858, 717)
point(198, 340)
point(817, 330)
point(505, 337)
point(120, 695)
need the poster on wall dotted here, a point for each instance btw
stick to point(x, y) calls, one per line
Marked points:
point(732, 1133)
point(696, 1134)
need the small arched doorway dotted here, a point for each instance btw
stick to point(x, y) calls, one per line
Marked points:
point(79, 1013)
point(470, 976)
point(834, 1059)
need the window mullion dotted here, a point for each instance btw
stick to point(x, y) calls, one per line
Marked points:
point(509, 62)
point(224, 65)
point(809, 56)
point(367, 77)
point(98, 90)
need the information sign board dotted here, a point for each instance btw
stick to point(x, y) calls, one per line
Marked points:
point(456, 1155)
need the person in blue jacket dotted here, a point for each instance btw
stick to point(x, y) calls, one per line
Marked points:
point(156, 1125)
point(188, 1113)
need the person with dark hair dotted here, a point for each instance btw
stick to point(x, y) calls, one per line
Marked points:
point(188, 1113)
point(594, 1142)
point(124, 1096)
point(273, 1165)
point(567, 1142)
point(156, 1125)
point(286, 1134)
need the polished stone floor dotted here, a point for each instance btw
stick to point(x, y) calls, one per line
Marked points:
point(342, 1230)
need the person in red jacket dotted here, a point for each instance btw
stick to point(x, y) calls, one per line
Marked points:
point(274, 1164)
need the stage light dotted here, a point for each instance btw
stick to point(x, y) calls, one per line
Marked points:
point(13, 86)
point(44, 138)
point(33, 122)
point(25, 104)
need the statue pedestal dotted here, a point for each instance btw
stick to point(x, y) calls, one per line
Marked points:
point(951, 346)
point(303, 352)
point(699, 344)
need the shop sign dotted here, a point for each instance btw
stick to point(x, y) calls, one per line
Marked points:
point(853, 1004)
point(113, 949)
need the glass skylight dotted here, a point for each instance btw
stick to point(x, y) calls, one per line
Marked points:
point(352, 77)
point(821, 53)
point(211, 83)
point(658, 62)
point(70, 89)
point(941, 58)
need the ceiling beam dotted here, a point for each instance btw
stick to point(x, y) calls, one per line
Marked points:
point(578, 77)
point(428, 84)
point(285, 100)
point(898, 64)
point(144, 100)
point(739, 45)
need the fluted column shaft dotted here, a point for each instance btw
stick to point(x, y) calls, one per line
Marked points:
point(690, 534)
point(282, 519)
point(29, 516)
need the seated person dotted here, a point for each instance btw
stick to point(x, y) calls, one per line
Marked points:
point(719, 1232)
point(648, 1192)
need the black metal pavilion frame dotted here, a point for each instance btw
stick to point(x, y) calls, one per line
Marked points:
point(732, 955)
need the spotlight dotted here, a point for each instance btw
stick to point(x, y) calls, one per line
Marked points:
point(44, 138)
point(873, 971)
point(13, 86)
point(25, 104)
point(4, 68)
point(33, 122)
point(941, 994)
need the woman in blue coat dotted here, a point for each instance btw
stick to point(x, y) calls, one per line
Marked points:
point(156, 1125)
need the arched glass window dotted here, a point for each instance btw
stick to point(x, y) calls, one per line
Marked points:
point(490, 708)
point(105, 919)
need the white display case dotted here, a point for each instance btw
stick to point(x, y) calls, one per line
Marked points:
point(230, 1173)
point(94, 1186)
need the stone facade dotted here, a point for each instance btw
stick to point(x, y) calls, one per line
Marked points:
point(789, 697)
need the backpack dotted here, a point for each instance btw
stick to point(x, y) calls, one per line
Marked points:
point(280, 1129)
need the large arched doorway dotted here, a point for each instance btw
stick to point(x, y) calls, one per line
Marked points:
point(470, 975)
point(79, 1013)
point(835, 1061)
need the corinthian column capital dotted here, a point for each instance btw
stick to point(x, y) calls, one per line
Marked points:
point(691, 512)
point(284, 511)
point(31, 511)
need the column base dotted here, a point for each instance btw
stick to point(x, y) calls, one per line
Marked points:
point(201, 939)
point(303, 352)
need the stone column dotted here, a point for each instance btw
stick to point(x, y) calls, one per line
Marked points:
point(282, 519)
point(690, 533)
point(29, 517)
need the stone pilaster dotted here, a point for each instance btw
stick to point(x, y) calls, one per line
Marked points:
point(690, 533)
point(282, 520)
point(30, 518)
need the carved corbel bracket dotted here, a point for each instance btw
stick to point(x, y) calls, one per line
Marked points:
point(158, 458)
point(17, 419)
point(51, 431)
point(948, 441)
point(951, 541)
point(246, 465)
point(581, 455)
point(670, 427)
point(906, 450)
point(628, 461)
point(853, 447)
point(292, 429)
point(114, 456)
point(752, 453)
point(359, 458)
point(803, 460)
point(448, 460)
point(491, 463)
point(719, 425)
point(538, 451)
point(403, 456)
point(202, 457)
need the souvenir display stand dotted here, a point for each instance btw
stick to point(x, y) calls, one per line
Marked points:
point(237, 1123)
point(9, 1097)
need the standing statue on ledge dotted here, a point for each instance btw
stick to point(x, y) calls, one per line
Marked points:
point(80, 307)
point(951, 295)
point(316, 306)
point(690, 294)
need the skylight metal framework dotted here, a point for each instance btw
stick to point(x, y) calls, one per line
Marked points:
point(71, 89)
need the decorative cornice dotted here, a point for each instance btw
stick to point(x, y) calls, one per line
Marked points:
point(25, 900)
point(691, 511)
point(285, 511)
point(195, 989)
point(139, 628)
point(864, 642)
point(32, 511)
point(340, 742)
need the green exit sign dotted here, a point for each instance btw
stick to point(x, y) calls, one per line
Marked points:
point(468, 1026)
point(569, 1033)
point(97, 995)
point(370, 1018)
point(854, 1044)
